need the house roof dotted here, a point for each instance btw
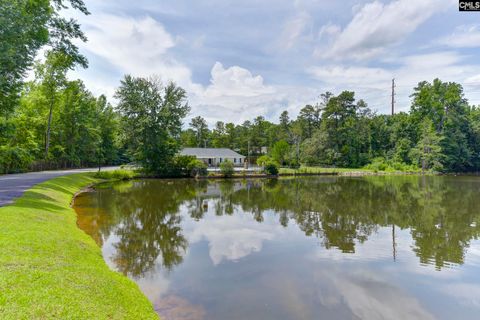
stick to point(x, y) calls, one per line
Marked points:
point(210, 153)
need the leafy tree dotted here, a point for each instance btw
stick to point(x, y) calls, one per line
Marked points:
point(284, 120)
point(76, 139)
point(200, 127)
point(108, 125)
point(436, 101)
point(52, 76)
point(271, 168)
point(445, 105)
point(263, 160)
point(280, 151)
point(188, 138)
point(428, 152)
point(219, 136)
point(231, 138)
point(152, 117)
point(197, 168)
point(315, 150)
point(180, 165)
point(227, 169)
point(25, 27)
point(309, 118)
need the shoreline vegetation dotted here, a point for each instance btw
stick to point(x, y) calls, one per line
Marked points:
point(52, 269)
point(127, 174)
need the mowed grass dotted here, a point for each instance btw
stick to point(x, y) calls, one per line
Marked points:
point(319, 170)
point(49, 268)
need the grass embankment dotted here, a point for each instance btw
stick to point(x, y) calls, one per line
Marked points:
point(319, 170)
point(49, 268)
point(341, 171)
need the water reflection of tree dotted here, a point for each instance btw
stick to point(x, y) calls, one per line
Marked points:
point(440, 212)
point(152, 228)
point(148, 225)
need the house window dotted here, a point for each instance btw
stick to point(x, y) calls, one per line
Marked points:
point(220, 160)
point(240, 160)
point(234, 160)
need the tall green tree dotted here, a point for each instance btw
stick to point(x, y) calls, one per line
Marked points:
point(25, 27)
point(219, 136)
point(108, 125)
point(309, 119)
point(280, 151)
point(52, 76)
point(445, 105)
point(200, 127)
point(428, 151)
point(152, 117)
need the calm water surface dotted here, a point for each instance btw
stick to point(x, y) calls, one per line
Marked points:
point(305, 248)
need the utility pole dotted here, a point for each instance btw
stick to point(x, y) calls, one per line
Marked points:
point(248, 155)
point(297, 141)
point(393, 96)
point(394, 244)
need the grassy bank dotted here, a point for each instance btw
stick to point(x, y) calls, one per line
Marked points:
point(320, 170)
point(49, 268)
point(314, 170)
point(339, 171)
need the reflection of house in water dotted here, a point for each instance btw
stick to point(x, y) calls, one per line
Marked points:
point(214, 197)
point(215, 190)
point(214, 156)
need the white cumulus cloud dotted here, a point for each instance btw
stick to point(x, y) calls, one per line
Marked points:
point(235, 82)
point(464, 36)
point(376, 26)
point(137, 46)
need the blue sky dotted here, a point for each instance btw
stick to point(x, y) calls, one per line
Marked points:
point(240, 59)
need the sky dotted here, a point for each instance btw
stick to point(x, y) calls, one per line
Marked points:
point(241, 59)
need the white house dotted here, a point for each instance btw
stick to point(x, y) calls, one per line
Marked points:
point(214, 156)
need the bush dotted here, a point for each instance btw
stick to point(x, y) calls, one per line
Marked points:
point(187, 166)
point(197, 168)
point(271, 168)
point(294, 164)
point(180, 166)
point(116, 174)
point(226, 168)
point(381, 164)
point(263, 160)
point(14, 159)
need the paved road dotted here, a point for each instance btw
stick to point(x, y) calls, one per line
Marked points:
point(14, 185)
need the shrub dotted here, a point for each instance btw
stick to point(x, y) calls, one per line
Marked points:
point(14, 159)
point(263, 160)
point(271, 168)
point(226, 168)
point(381, 164)
point(280, 151)
point(119, 174)
point(180, 165)
point(197, 168)
point(377, 164)
point(294, 164)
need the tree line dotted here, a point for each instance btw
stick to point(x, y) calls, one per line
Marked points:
point(441, 133)
point(52, 121)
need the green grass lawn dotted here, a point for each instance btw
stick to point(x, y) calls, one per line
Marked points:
point(49, 268)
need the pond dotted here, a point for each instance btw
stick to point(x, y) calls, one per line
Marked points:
point(397, 247)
